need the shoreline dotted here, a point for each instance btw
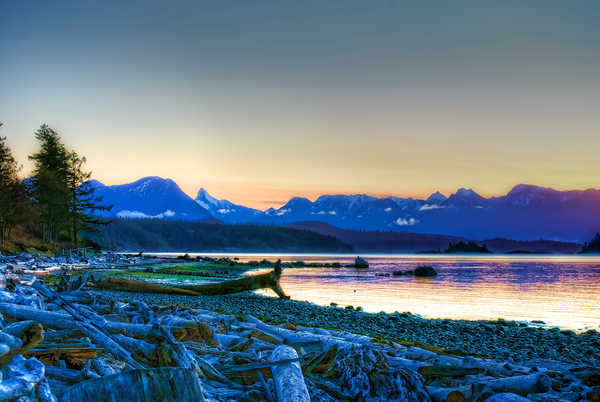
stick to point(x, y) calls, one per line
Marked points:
point(501, 339)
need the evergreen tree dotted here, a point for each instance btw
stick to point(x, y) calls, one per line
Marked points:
point(83, 204)
point(9, 170)
point(593, 246)
point(60, 187)
point(49, 185)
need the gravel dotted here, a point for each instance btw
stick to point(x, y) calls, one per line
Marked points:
point(505, 340)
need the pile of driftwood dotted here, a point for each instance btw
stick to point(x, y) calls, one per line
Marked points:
point(78, 345)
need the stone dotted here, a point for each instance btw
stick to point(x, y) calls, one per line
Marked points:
point(425, 271)
point(360, 263)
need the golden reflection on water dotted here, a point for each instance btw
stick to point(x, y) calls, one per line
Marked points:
point(561, 291)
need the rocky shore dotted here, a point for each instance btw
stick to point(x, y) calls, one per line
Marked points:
point(505, 340)
point(84, 344)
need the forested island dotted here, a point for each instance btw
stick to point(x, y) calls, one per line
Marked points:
point(593, 247)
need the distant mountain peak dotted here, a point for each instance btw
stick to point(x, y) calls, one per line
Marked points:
point(94, 183)
point(297, 202)
point(465, 197)
point(525, 187)
point(465, 192)
point(527, 194)
point(204, 199)
point(436, 198)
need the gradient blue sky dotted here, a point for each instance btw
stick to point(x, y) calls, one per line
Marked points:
point(257, 101)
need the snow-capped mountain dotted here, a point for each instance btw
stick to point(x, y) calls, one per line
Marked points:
point(150, 197)
point(226, 211)
point(525, 213)
point(358, 211)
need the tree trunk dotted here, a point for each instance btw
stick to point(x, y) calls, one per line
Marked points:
point(270, 280)
point(164, 384)
point(288, 378)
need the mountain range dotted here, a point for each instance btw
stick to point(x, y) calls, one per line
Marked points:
point(526, 212)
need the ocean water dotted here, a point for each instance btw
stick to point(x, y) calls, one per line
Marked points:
point(561, 291)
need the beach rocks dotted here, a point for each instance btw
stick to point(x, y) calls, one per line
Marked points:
point(360, 263)
point(239, 357)
point(423, 271)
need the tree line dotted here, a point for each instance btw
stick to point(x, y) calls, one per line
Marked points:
point(57, 202)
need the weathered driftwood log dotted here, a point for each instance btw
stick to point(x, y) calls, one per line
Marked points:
point(18, 338)
point(521, 384)
point(439, 394)
point(164, 384)
point(506, 397)
point(44, 392)
point(434, 372)
point(293, 338)
point(181, 329)
point(74, 354)
point(288, 378)
point(92, 325)
point(102, 367)
point(127, 285)
point(70, 375)
point(269, 280)
point(21, 377)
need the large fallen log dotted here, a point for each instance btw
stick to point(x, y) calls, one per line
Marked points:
point(126, 285)
point(269, 280)
point(288, 378)
point(522, 385)
point(181, 329)
point(92, 325)
point(164, 384)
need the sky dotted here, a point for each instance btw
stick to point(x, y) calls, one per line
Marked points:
point(259, 101)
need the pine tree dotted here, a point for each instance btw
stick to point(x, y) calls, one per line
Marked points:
point(593, 246)
point(8, 178)
point(14, 202)
point(49, 186)
point(83, 204)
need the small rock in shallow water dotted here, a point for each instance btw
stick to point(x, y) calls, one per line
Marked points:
point(425, 271)
point(360, 263)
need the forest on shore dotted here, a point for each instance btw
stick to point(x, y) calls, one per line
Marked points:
point(55, 205)
point(168, 235)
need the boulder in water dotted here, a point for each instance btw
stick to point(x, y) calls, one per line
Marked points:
point(360, 263)
point(425, 271)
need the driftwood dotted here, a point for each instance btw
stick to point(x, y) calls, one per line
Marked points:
point(74, 354)
point(127, 285)
point(506, 397)
point(269, 280)
point(521, 385)
point(434, 372)
point(21, 378)
point(288, 378)
point(18, 338)
point(69, 375)
point(92, 325)
point(180, 328)
point(447, 394)
point(164, 384)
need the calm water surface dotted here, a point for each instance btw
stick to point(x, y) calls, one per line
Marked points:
point(559, 290)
